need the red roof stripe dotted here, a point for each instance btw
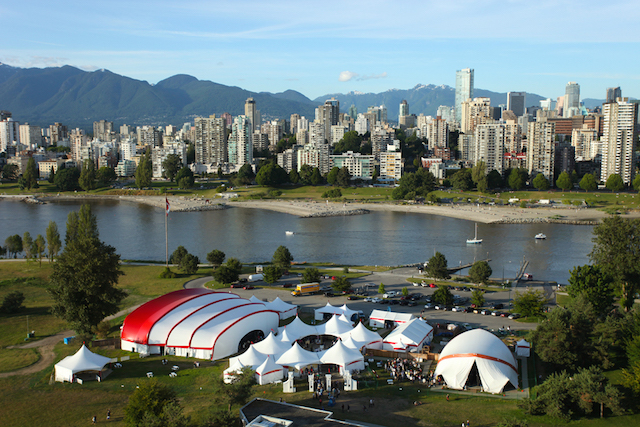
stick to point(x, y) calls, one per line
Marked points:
point(213, 347)
point(220, 314)
point(481, 356)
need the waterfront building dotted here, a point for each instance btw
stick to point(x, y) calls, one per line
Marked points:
point(159, 155)
point(240, 142)
point(9, 133)
point(541, 149)
point(619, 136)
point(359, 165)
point(464, 90)
point(391, 165)
point(210, 140)
point(288, 159)
point(489, 146)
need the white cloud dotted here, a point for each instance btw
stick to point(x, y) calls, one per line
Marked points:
point(345, 76)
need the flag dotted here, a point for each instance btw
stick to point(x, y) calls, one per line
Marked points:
point(168, 206)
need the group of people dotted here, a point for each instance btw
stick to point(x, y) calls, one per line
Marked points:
point(406, 369)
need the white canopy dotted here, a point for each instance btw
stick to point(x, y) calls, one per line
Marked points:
point(298, 329)
point(285, 309)
point(83, 361)
point(347, 358)
point(523, 348)
point(229, 374)
point(412, 336)
point(285, 337)
point(298, 357)
point(360, 336)
point(272, 346)
point(378, 317)
point(334, 326)
point(495, 364)
point(329, 309)
point(269, 372)
point(256, 299)
point(251, 357)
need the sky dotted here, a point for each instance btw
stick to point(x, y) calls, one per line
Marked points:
point(318, 48)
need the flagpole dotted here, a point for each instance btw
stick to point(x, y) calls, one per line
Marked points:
point(166, 231)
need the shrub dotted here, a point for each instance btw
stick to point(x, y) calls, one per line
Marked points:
point(167, 274)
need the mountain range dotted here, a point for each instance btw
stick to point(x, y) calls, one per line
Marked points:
point(77, 98)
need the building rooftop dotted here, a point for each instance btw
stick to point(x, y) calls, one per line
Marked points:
point(298, 415)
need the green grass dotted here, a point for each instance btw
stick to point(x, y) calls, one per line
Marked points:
point(563, 300)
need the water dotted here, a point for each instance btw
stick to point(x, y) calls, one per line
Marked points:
point(379, 238)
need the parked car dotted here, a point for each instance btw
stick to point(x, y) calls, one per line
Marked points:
point(496, 313)
point(411, 304)
point(468, 309)
point(441, 307)
point(375, 299)
point(432, 285)
point(248, 287)
point(457, 308)
point(389, 294)
point(385, 301)
point(514, 316)
point(416, 284)
point(485, 312)
point(352, 297)
point(424, 285)
point(498, 306)
point(428, 305)
point(236, 285)
point(287, 285)
point(328, 294)
point(369, 299)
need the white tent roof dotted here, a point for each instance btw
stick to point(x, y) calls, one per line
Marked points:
point(339, 354)
point(411, 334)
point(348, 342)
point(279, 305)
point(496, 365)
point(334, 326)
point(230, 373)
point(298, 357)
point(363, 337)
point(523, 348)
point(269, 372)
point(298, 329)
point(251, 357)
point(82, 360)
point(286, 337)
point(382, 315)
point(347, 312)
point(344, 309)
point(255, 299)
point(272, 346)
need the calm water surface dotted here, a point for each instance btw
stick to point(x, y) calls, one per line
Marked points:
point(252, 235)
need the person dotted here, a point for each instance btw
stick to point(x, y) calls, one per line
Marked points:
point(93, 420)
point(447, 397)
point(348, 408)
point(364, 408)
point(467, 423)
point(108, 414)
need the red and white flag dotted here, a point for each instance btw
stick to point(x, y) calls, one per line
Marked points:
point(168, 206)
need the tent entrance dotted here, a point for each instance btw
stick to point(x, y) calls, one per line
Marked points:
point(473, 379)
point(250, 338)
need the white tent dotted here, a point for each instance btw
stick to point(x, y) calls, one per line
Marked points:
point(495, 364)
point(285, 309)
point(83, 361)
point(363, 337)
point(382, 319)
point(256, 299)
point(298, 329)
point(298, 357)
point(229, 374)
point(334, 327)
point(272, 346)
point(352, 315)
point(251, 357)
point(285, 337)
point(523, 348)
point(348, 342)
point(410, 336)
point(269, 372)
point(343, 356)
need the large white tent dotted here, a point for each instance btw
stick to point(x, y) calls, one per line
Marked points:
point(360, 336)
point(251, 357)
point(409, 336)
point(272, 346)
point(229, 374)
point(298, 357)
point(83, 361)
point(334, 326)
point(343, 356)
point(350, 314)
point(298, 329)
point(382, 319)
point(269, 372)
point(285, 309)
point(523, 348)
point(495, 364)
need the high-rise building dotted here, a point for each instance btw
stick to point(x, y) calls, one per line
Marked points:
point(489, 146)
point(252, 114)
point(102, 130)
point(517, 102)
point(328, 115)
point(613, 93)
point(618, 139)
point(9, 133)
point(464, 89)
point(210, 140)
point(404, 108)
point(57, 132)
point(30, 135)
point(475, 112)
point(572, 100)
point(241, 142)
point(293, 123)
point(353, 112)
point(586, 144)
point(541, 138)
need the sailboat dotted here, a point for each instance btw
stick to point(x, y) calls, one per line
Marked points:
point(475, 240)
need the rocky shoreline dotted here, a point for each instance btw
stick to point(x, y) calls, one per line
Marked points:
point(337, 213)
point(545, 221)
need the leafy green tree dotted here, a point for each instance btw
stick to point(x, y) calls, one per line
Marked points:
point(316, 177)
point(14, 245)
point(171, 415)
point(636, 182)
point(381, 289)
point(171, 165)
point(594, 284)
point(84, 279)
point(350, 141)
point(236, 393)
point(10, 172)
point(144, 171)
point(480, 272)
point(540, 182)
point(27, 243)
point(81, 224)
point(272, 274)
point(12, 302)
point(282, 258)
point(150, 397)
point(517, 179)
point(215, 257)
point(30, 174)
point(334, 193)
point(38, 248)
point(616, 251)
point(53, 240)
point(437, 267)
point(494, 179)
point(185, 178)
point(225, 275)
point(310, 275)
point(191, 156)
point(87, 180)
point(177, 255)
point(478, 172)
point(529, 303)
point(304, 174)
point(189, 264)
point(332, 176)
point(245, 174)
point(405, 291)
point(588, 182)
point(614, 183)
point(564, 181)
point(106, 175)
point(294, 177)
point(341, 284)
point(477, 297)
point(271, 175)
point(343, 177)
point(235, 266)
point(461, 180)
point(67, 179)
point(443, 295)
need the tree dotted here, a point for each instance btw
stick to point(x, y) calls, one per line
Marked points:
point(437, 267)
point(332, 176)
point(185, 178)
point(39, 246)
point(310, 275)
point(236, 393)
point(594, 284)
point(494, 179)
point(272, 274)
point(443, 295)
point(477, 297)
point(235, 266)
point(84, 279)
point(343, 177)
point(53, 240)
point(540, 182)
point(14, 245)
point(461, 180)
point(12, 302)
point(616, 251)
point(67, 179)
point(150, 397)
point(271, 175)
point(106, 175)
point(405, 292)
point(530, 302)
point(170, 166)
point(87, 180)
point(144, 171)
point(171, 415)
point(282, 258)
point(564, 181)
point(27, 243)
point(30, 174)
point(381, 289)
point(341, 284)
point(215, 257)
point(614, 183)
point(316, 177)
point(294, 177)
point(10, 172)
point(334, 193)
point(189, 264)
point(517, 179)
point(304, 174)
point(228, 272)
point(588, 182)
point(480, 272)
point(245, 174)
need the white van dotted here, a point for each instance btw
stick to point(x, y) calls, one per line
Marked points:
point(389, 294)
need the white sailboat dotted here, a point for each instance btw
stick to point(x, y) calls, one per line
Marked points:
point(475, 240)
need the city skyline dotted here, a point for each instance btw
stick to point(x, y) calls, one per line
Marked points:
point(337, 47)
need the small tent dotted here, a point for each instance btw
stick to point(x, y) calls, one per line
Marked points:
point(410, 336)
point(388, 319)
point(230, 374)
point(346, 358)
point(84, 361)
point(272, 346)
point(298, 329)
point(328, 310)
point(523, 348)
point(298, 357)
point(285, 309)
point(251, 357)
point(335, 327)
point(269, 372)
point(363, 337)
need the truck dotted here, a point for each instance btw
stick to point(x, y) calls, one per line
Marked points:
point(306, 289)
point(255, 277)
